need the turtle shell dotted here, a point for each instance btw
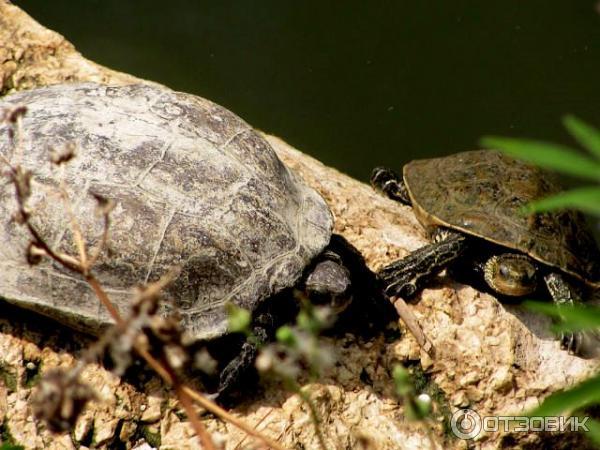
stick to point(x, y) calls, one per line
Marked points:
point(482, 193)
point(194, 185)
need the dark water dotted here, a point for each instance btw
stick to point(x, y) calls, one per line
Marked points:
point(358, 83)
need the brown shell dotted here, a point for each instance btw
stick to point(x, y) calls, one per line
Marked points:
point(482, 193)
point(195, 186)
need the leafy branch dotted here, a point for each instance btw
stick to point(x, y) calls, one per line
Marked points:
point(568, 161)
point(563, 159)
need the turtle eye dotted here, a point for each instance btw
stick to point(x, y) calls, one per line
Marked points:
point(511, 274)
point(504, 271)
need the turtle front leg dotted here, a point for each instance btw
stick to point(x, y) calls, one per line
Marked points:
point(563, 295)
point(391, 184)
point(242, 365)
point(408, 275)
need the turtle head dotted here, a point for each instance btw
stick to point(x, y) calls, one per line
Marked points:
point(511, 274)
point(329, 284)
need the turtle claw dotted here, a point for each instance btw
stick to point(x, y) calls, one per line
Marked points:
point(571, 342)
point(564, 297)
point(405, 290)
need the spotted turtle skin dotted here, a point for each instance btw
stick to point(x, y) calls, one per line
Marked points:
point(194, 185)
point(482, 193)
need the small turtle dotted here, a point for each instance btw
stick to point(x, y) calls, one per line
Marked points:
point(471, 204)
point(194, 186)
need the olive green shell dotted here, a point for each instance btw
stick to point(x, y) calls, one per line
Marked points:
point(195, 187)
point(482, 193)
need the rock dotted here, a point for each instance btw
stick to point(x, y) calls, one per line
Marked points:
point(176, 434)
point(151, 411)
point(83, 427)
point(104, 430)
point(502, 379)
point(128, 429)
point(31, 55)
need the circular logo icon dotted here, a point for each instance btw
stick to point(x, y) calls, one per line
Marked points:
point(465, 423)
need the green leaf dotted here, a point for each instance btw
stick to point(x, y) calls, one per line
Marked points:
point(286, 336)
point(402, 380)
point(307, 322)
point(551, 156)
point(572, 318)
point(239, 319)
point(594, 433)
point(586, 135)
point(424, 407)
point(583, 394)
point(550, 309)
point(585, 199)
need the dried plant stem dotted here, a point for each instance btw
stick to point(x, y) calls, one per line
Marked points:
point(21, 181)
point(205, 402)
point(162, 370)
point(97, 288)
point(159, 368)
point(96, 252)
point(182, 395)
point(315, 417)
point(186, 402)
point(170, 379)
point(64, 260)
point(220, 412)
point(314, 414)
point(412, 323)
point(240, 443)
point(75, 229)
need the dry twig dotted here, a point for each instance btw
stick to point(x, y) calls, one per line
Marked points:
point(412, 324)
point(38, 248)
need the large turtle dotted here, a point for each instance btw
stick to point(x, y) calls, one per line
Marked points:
point(195, 186)
point(471, 203)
